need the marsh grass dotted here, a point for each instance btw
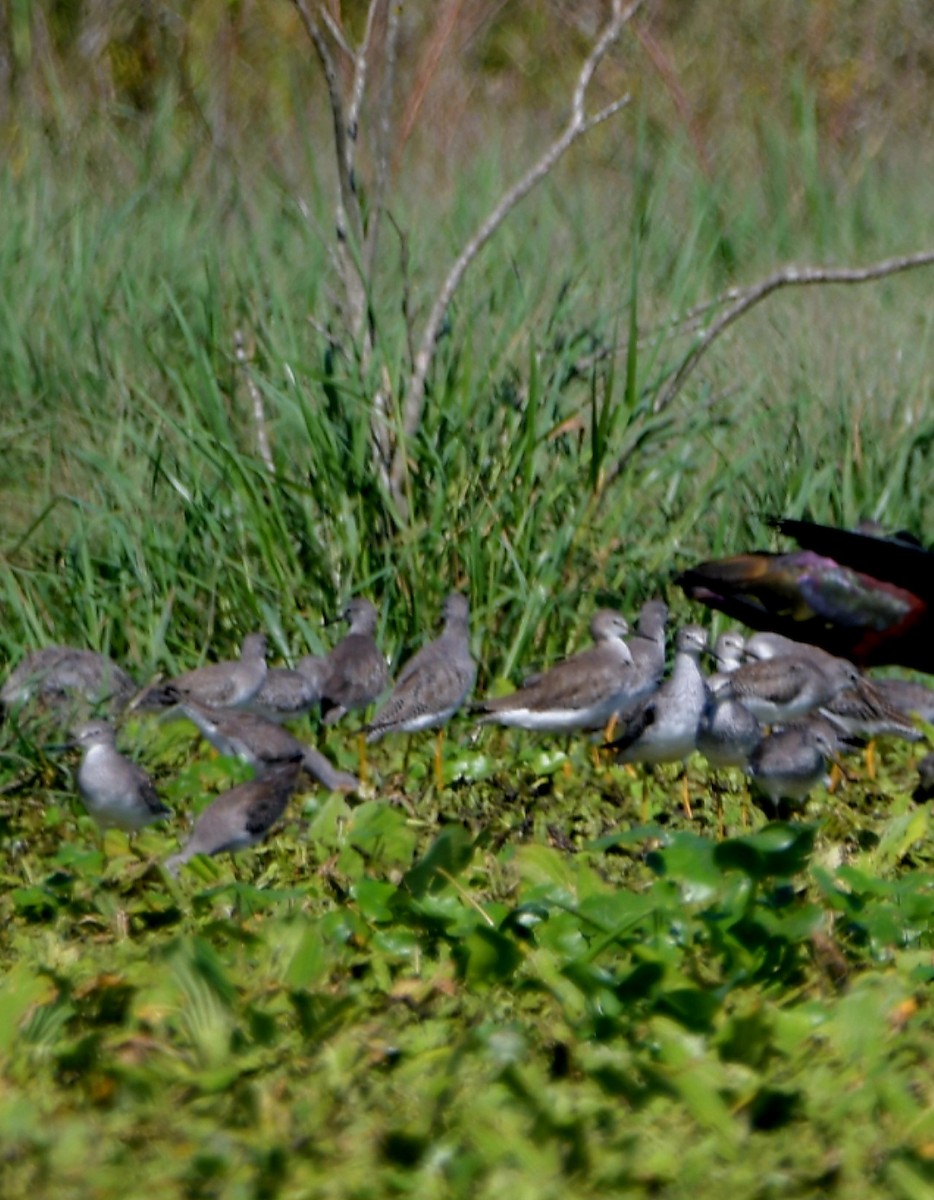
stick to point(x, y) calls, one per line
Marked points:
point(510, 986)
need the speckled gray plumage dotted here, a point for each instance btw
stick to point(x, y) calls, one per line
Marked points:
point(663, 728)
point(262, 743)
point(355, 670)
point(864, 710)
point(435, 682)
point(285, 695)
point(647, 644)
point(908, 696)
point(647, 647)
point(790, 763)
point(582, 692)
point(57, 674)
point(116, 792)
point(784, 688)
point(242, 816)
point(727, 732)
point(230, 684)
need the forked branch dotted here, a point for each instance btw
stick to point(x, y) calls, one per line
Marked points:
point(578, 124)
point(345, 117)
point(742, 300)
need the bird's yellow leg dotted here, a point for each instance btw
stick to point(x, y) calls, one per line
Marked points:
point(685, 798)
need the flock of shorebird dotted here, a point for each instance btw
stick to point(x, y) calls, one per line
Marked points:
point(778, 709)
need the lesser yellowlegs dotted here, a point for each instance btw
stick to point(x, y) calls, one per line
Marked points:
point(242, 816)
point(231, 684)
point(433, 684)
point(116, 792)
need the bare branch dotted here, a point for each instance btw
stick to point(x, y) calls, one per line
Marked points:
point(578, 124)
point(384, 137)
point(361, 63)
point(336, 32)
point(256, 398)
point(347, 206)
point(744, 300)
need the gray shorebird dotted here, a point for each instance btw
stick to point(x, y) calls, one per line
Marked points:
point(908, 696)
point(858, 709)
point(776, 690)
point(242, 816)
point(865, 711)
point(647, 647)
point(582, 692)
point(355, 670)
point(56, 675)
point(288, 692)
point(727, 732)
point(116, 792)
point(231, 684)
point(263, 743)
point(663, 728)
point(788, 764)
point(728, 651)
point(433, 684)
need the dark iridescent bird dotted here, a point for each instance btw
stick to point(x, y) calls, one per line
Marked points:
point(856, 594)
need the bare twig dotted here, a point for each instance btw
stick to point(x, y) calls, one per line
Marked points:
point(348, 218)
point(745, 299)
point(361, 63)
point(256, 399)
point(404, 261)
point(348, 206)
point(578, 124)
point(383, 139)
point(336, 32)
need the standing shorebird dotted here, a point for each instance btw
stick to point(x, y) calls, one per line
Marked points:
point(262, 743)
point(231, 684)
point(728, 651)
point(355, 672)
point(647, 647)
point(582, 692)
point(433, 684)
point(116, 792)
point(727, 732)
point(288, 693)
point(859, 709)
point(241, 816)
point(663, 728)
point(782, 689)
point(788, 764)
